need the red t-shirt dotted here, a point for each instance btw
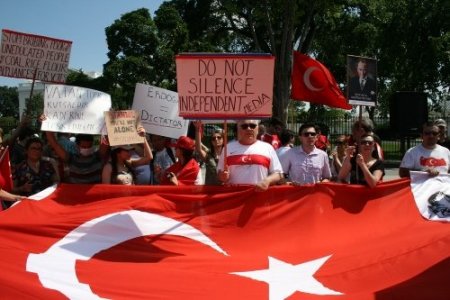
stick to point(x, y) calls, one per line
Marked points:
point(186, 175)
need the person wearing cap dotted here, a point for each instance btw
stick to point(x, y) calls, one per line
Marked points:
point(120, 169)
point(185, 171)
point(249, 161)
point(443, 139)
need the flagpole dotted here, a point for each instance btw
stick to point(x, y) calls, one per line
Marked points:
point(359, 140)
point(3, 154)
point(225, 142)
point(31, 91)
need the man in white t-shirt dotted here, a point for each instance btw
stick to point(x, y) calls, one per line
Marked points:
point(428, 156)
point(249, 160)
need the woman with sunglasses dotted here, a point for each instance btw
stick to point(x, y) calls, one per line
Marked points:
point(209, 156)
point(362, 166)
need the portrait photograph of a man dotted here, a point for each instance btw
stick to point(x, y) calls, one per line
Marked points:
point(362, 80)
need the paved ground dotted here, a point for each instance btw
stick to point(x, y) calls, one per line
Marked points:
point(390, 174)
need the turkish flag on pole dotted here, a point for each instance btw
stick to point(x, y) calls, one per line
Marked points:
point(323, 241)
point(313, 82)
point(6, 182)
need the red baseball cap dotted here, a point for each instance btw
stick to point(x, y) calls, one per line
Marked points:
point(185, 142)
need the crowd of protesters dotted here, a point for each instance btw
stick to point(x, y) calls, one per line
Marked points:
point(261, 154)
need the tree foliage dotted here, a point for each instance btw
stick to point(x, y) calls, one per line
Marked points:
point(132, 41)
point(9, 102)
point(410, 39)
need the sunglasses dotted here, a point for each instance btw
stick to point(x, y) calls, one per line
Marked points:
point(247, 126)
point(216, 138)
point(367, 143)
point(36, 148)
point(307, 134)
point(434, 133)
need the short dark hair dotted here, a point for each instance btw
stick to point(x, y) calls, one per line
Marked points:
point(84, 137)
point(306, 125)
point(428, 124)
point(286, 135)
point(33, 140)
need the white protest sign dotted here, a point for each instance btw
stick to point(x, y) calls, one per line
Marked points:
point(122, 127)
point(22, 55)
point(74, 109)
point(159, 111)
point(225, 86)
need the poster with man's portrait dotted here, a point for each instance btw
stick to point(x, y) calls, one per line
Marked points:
point(361, 80)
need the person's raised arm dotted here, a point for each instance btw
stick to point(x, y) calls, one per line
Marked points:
point(59, 150)
point(346, 165)
point(148, 155)
point(371, 179)
point(198, 140)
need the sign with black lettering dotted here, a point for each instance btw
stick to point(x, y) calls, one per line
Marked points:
point(228, 86)
point(159, 111)
point(122, 127)
point(22, 55)
point(74, 109)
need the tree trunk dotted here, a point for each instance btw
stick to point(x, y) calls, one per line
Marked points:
point(283, 65)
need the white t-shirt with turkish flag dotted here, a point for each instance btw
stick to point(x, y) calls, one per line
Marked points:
point(419, 158)
point(249, 164)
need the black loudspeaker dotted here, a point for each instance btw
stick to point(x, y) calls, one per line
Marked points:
point(408, 112)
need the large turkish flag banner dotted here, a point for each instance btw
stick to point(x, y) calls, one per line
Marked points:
point(324, 241)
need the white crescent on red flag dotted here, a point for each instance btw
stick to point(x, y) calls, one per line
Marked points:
point(311, 81)
point(324, 241)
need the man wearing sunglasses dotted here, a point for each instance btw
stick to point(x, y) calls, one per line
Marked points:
point(249, 160)
point(306, 164)
point(428, 156)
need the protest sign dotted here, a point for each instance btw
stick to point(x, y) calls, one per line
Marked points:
point(32, 56)
point(121, 126)
point(225, 86)
point(74, 109)
point(159, 111)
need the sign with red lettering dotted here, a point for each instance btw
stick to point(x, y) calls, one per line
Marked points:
point(225, 86)
point(29, 56)
point(122, 127)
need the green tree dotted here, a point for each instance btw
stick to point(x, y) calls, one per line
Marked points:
point(410, 39)
point(9, 102)
point(132, 41)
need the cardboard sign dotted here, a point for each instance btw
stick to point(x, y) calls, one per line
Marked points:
point(361, 80)
point(225, 86)
point(74, 109)
point(159, 111)
point(24, 55)
point(121, 126)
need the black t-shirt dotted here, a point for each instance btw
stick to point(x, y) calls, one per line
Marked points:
point(377, 165)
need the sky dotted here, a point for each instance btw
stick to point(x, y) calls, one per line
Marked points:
point(81, 21)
